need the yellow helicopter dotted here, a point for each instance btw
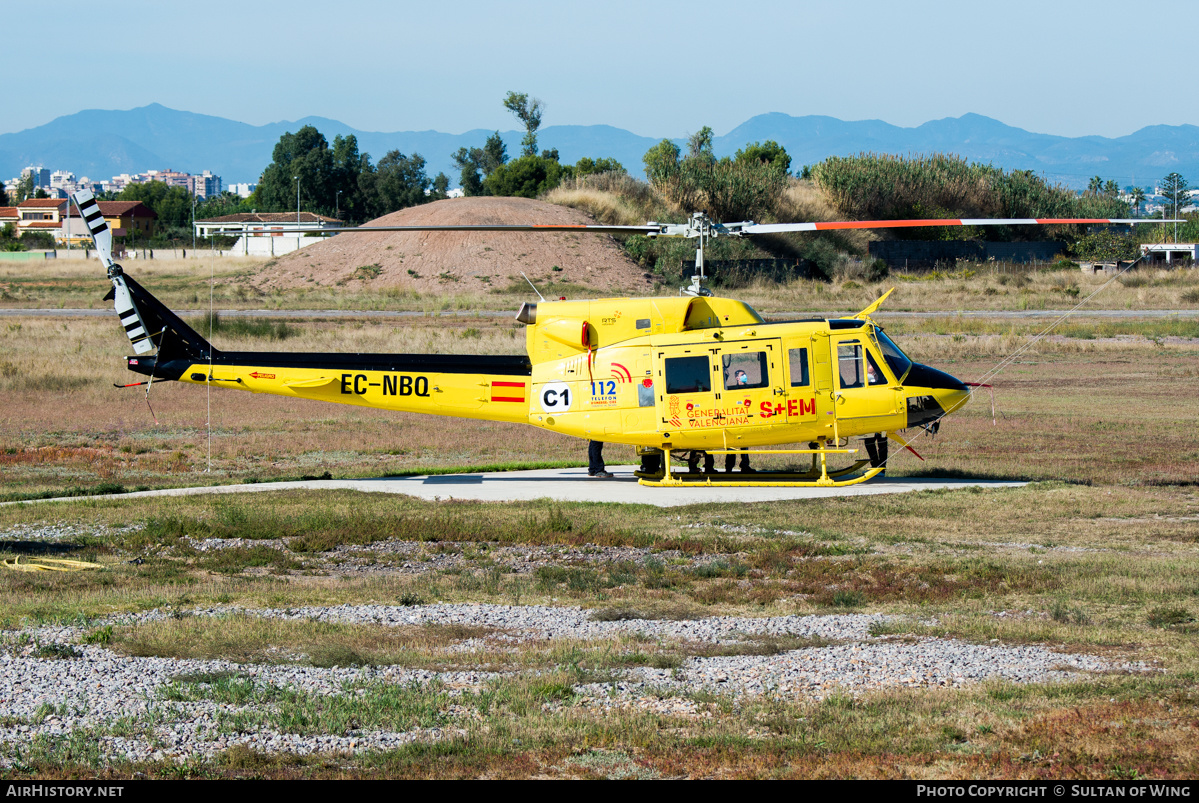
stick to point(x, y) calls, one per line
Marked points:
point(690, 373)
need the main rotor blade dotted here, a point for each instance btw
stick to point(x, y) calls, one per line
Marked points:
point(268, 228)
point(781, 228)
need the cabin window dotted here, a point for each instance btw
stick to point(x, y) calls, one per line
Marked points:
point(797, 360)
point(746, 369)
point(688, 375)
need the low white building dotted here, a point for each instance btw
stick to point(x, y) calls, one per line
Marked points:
point(1171, 253)
point(261, 233)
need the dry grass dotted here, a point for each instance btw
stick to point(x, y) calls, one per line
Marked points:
point(184, 284)
point(250, 639)
point(975, 286)
point(803, 202)
point(1099, 558)
point(1049, 426)
point(51, 366)
point(614, 199)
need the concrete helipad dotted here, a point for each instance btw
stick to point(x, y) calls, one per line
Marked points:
point(573, 485)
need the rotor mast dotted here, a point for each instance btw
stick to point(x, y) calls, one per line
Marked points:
point(701, 228)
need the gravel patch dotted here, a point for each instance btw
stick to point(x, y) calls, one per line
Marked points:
point(116, 702)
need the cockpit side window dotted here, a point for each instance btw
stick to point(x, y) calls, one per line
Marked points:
point(899, 362)
point(873, 375)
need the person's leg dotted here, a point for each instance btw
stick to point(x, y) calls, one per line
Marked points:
point(595, 458)
point(872, 450)
point(651, 462)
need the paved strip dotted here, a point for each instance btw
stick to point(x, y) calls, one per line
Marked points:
point(771, 316)
point(572, 485)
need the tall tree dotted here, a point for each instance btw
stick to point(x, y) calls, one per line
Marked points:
point(699, 144)
point(3, 196)
point(529, 113)
point(441, 187)
point(397, 182)
point(173, 205)
point(306, 155)
point(1138, 199)
point(661, 161)
point(1176, 192)
point(348, 163)
point(483, 160)
point(24, 187)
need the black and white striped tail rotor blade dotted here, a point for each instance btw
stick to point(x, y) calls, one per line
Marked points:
point(131, 319)
point(96, 225)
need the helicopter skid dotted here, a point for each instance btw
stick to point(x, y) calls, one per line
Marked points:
point(819, 476)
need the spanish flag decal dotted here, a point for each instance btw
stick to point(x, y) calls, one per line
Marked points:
point(508, 391)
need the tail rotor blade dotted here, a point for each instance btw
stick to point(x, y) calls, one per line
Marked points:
point(101, 234)
point(131, 319)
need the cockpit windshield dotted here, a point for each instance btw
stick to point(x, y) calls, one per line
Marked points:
point(899, 362)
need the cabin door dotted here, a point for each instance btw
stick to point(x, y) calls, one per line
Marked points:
point(685, 381)
point(862, 388)
point(750, 384)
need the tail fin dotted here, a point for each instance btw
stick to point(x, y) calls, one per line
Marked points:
point(147, 321)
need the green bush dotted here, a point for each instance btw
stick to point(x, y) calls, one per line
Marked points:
point(1105, 246)
point(884, 187)
point(526, 177)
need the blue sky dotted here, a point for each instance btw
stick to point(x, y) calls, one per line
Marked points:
point(656, 69)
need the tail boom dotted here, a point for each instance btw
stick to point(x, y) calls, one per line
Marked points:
point(495, 388)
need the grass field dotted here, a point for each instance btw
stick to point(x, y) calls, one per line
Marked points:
point(1097, 556)
point(184, 284)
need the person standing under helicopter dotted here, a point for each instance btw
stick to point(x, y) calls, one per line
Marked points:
point(595, 461)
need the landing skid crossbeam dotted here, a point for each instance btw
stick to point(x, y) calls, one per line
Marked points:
point(818, 476)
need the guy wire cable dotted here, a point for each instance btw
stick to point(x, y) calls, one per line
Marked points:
point(1011, 357)
point(211, 282)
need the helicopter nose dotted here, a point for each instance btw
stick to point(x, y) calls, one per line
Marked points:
point(932, 394)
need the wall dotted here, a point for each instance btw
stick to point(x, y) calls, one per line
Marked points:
point(925, 254)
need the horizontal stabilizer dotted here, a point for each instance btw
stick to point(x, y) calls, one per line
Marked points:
point(319, 382)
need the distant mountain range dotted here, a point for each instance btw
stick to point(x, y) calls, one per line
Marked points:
point(100, 144)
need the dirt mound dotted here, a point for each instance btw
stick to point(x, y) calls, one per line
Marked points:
point(453, 262)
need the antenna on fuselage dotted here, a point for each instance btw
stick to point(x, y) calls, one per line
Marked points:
point(535, 290)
